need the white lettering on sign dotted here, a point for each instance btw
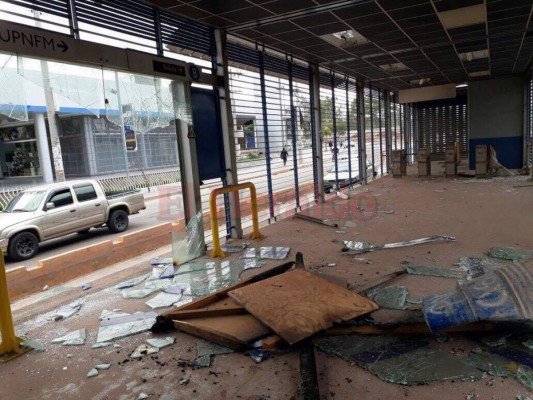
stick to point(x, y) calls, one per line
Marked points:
point(32, 40)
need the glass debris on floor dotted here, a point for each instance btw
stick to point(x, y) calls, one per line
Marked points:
point(495, 339)
point(392, 297)
point(161, 342)
point(163, 300)
point(362, 247)
point(108, 314)
point(269, 252)
point(202, 362)
point(434, 271)
point(132, 282)
point(119, 327)
point(32, 344)
point(73, 338)
point(237, 248)
point(142, 350)
point(205, 350)
point(161, 261)
point(494, 296)
point(100, 345)
point(191, 245)
point(138, 293)
point(524, 375)
point(406, 361)
point(492, 364)
point(510, 253)
point(475, 266)
point(66, 311)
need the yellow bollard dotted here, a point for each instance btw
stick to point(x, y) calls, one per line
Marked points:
point(256, 234)
point(10, 345)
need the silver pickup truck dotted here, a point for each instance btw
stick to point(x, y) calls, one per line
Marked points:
point(46, 212)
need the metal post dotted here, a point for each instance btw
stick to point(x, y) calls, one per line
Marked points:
point(334, 116)
point(372, 131)
point(158, 34)
point(388, 131)
point(348, 130)
point(266, 134)
point(316, 129)
point(395, 124)
point(228, 132)
point(73, 19)
point(380, 134)
point(293, 133)
point(122, 127)
point(10, 345)
point(362, 130)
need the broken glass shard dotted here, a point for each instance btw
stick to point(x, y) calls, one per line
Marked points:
point(143, 350)
point(203, 362)
point(191, 245)
point(509, 253)
point(138, 293)
point(100, 345)
point(158, 284)
point(528, 344)
point(226, 248)
point(168, 272)
point(524, 375)
point(175, 289)
point(93, 372)
point(161, 261)
point(108, 314)
point(392, 297)
point(204, 348)
point(132, 282)
point(495, 340)
point(434, 271)
point(66, 311)
point(124, 326)
point(492, 364)
point(161, 342)
point(164, 300)
point(475, 267)
point(271, 253)
point(359, 247)
point(73, 338)
point(33, 344)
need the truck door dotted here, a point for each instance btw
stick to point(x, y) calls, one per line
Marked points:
point(64, 217)
point(91, 208)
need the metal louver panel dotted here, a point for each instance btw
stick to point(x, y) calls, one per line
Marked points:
point(54, 7)
point(442, 123)
point(242, 54)
point(185, 33)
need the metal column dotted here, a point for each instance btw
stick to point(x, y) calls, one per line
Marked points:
point(294, 141)
point(316, 128)
point(348, 130)
point(334, 116)
point(372, 132)
point(380, 134)
point(361, 130)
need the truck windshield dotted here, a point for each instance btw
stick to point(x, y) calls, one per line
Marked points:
point(25, 201)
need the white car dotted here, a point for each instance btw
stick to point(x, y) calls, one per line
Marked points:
point(343, 176)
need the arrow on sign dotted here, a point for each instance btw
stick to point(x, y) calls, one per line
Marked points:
point(63, 46)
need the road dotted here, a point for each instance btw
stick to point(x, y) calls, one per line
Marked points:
point(166, 204)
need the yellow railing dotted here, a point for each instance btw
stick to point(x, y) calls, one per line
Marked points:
point(10, 345)
point(217, 251)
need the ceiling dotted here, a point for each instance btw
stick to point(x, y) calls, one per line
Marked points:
point(404, 43)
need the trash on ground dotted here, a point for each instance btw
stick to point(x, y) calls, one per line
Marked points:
point(100, 345)
point(164, 300)
point(64, 312)
point(509, 253)
point(143, 350)
point(434, 271)
point(475, 266)
point(258, 355)
point(108, 314)
point(340, 232)
point(317, 220)
point(102, 366)
point(501, 295)
point(271, 253)
point(392, 297)
point(329, 265)
point(161, 342)
point(73, 338)
point(363, 260)
point(45, 288)
point(190, 246)
point(142, 396)
point(119, 327)
point(92, 373)
point(86, 286)
point(33, 344)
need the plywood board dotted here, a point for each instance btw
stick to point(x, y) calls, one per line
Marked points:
point(298, 304)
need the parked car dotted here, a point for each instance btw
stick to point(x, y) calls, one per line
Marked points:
point(50, 211)
point(330, 179)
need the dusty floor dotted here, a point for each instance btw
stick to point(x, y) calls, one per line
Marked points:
point(479, 214)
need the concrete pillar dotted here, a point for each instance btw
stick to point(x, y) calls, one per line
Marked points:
point(45, 163)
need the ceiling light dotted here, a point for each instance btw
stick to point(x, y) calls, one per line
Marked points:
point(461, 85)
point(345, 39)
point(463, 16)
point(474, 55)
point(393, 67)
point(420, 81)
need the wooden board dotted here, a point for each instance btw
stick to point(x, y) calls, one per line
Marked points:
point(298, 304)
point(234, 331)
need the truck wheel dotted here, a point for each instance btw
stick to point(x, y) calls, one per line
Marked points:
point(118, 221)
point(23, 246)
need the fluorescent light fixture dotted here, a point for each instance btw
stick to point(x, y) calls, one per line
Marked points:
point(478, 74)
point(461, 85)
point(344, 39)
point(463, 16)
point(393, 67)
point(474, 55)
point(420, 81)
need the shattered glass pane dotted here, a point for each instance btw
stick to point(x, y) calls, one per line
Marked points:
point(161, 342)
point(359, 247)
point(132, 282)
point(164, 300)
point(271, 253)
point(120, 327)
point(204, 348)
point(434, 271)
point(492, 364)
point(192, 245)
point(203, 362)
point(509, 253)
point(138, 293)
point(226, 248)
point(143, 350)
point(524, 375)
point(66, 311)
point(13, 102)
point(392, 297)
point(74, 338)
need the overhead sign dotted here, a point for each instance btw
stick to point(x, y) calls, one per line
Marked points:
point(195, 73)
point(427, 93)
point(40, 41)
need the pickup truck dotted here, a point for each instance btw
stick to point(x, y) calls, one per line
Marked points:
point(50, 211)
